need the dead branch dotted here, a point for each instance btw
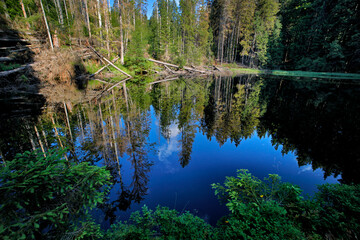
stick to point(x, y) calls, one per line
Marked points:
point(114, 61)
point(6, 73)
point(106, 60)
point(115, 85)
point(167, 68)
point(164, 80)
point(6, 59)
point(172, 65)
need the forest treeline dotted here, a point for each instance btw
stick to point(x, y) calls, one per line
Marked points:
point(312, 35)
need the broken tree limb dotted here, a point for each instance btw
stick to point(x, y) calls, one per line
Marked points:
point(164, 80)
point(115, 85)
point(106, 60)
point(98, 71)
point(6, 73)
point(6, 59)
point(167, 68)
point(164, 63)
point(172, 65)
point(216, 68)
point(101, 81)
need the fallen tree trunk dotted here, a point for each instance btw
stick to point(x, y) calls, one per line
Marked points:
point(167, 68)
point(101, 81)
point(115, 85)
point(6, 59)
point(109, 62)
point(98, 71)
point(172, 65)
point(216, 68)
point(164, 80)
point(6, 73)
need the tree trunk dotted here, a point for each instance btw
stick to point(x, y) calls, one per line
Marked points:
point(25, 15)
point(5, 9)
point(47, 26)
point(106, 14)
point(121, 34)
point(87, 18)
point(60, 12)
point(99, 18)
point(66, 12)
point(72, 8)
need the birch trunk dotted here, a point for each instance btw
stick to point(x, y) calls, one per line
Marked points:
point(99, 18)
point(47, 26)
point(121, 33)
point(40, 142)
point(106, 14)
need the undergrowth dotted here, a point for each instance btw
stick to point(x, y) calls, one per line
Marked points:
point(42, 196)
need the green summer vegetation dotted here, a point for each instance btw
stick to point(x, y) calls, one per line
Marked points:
point(43, 195)
point(307, 35)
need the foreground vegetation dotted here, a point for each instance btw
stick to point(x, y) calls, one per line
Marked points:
point(45, 196)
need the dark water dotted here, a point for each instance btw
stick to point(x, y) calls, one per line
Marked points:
point(166, 143)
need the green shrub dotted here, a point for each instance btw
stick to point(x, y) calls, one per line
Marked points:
point(338, 208)
point(42, 196)
point(258, 208)
point(162, 223)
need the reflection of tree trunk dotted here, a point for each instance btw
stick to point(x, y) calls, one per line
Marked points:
point(68, 122)
point(81, 126)
point(115, 144)
point(40, 142)
point(3, 159)
point(126, 97)
point(103, 132)
point(30, 136)
point(45, 140)
point(58, 137)
point(117, 117)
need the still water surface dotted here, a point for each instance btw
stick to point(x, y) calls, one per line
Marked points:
point(166, 143)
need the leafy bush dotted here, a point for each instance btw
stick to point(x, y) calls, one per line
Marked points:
point(42, 196)
point(338, 208)
point(258, 209)
point(49, 197)
point(162, 223)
